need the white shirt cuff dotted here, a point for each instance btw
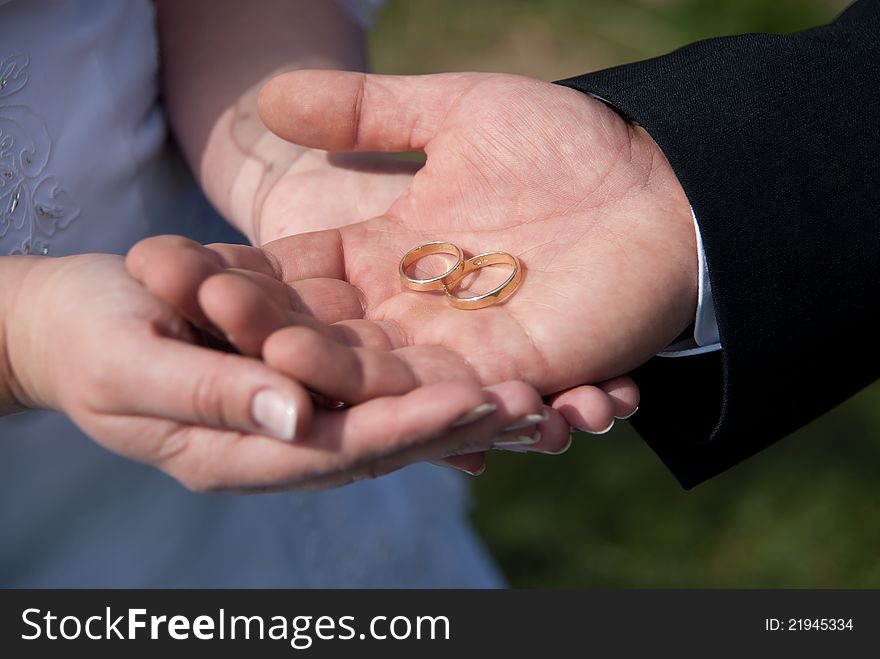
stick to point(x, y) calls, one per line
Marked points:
point(705, 338)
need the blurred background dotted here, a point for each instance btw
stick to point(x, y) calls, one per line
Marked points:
point(806, 512)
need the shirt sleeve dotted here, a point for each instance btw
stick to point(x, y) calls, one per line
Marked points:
point(705, 337)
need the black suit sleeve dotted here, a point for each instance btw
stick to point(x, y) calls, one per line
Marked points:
point(775, 141)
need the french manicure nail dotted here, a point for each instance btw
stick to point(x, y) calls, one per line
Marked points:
point(628, 415)
point(475, 414)
point(528, 420)
point(275, 413)
point(599, 432)
point(561, 451)
point(469, 472)
point(518, 444)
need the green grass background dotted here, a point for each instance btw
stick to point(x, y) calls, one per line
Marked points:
point(806, 512)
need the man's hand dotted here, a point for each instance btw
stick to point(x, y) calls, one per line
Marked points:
point(586, 200)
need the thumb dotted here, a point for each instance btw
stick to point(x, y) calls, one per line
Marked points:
point(346, 111)
point(173, 380)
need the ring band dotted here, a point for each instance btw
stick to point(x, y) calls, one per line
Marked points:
point(434, 283)
point(504, 290)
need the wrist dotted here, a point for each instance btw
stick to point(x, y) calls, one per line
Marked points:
point(268, 160)
point(668, 197)
point(242, 161)
point(18, 276)
point(663, 198)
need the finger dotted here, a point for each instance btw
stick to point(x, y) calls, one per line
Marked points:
point(586, 408)
point(513, 404)
point(624, 394)
point(354, 374)
point(307, 255)
point(473, 464)
point(345, 111)
point(366, 440)
point(552, 436)
point(247, 307)
point(173, 268)
point(245, 257)
point(467, 439)
point(193, 385)
point(338, 447)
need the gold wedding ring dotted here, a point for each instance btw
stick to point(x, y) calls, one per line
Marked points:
point(420, 252)
point(504, 290)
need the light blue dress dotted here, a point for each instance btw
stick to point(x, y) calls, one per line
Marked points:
point(85, 166)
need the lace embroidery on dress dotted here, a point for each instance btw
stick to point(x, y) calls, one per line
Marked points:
point(33, 204)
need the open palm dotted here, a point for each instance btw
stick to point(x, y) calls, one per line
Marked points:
point(584, 199)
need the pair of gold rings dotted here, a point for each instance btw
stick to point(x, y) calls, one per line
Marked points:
point(452, 278)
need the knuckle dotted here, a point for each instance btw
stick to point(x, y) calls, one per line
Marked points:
point(173, 456)
point(207, 400)
point(355, 122)
point(172, 448)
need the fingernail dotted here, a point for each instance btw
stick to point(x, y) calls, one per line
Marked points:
point(528, 420)
point(446, 465)
point(628, 415)
point(275, 413)
point(559, 452)
point(599, 432)
point(518, 444)
point(475, 414)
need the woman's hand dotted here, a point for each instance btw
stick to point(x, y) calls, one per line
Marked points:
point(84, 338)
point(236, 294)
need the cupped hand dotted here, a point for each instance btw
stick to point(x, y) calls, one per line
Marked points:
point(235, 295)
point(85, 338)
